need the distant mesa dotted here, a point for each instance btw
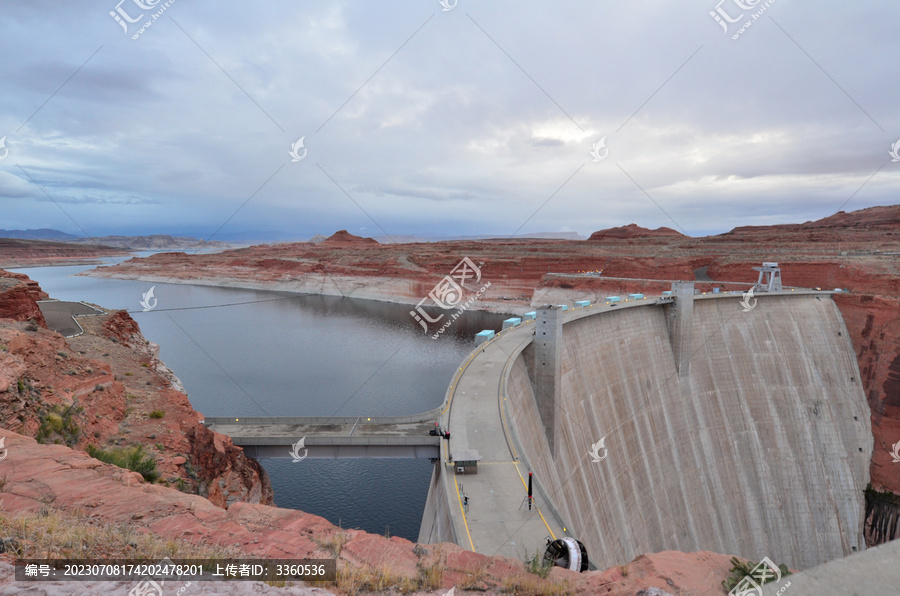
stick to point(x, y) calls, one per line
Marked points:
point(880, 218)
point(887, 216)
point(150, 242)
point(39, 234)
point(633, 231)
point(345, 238)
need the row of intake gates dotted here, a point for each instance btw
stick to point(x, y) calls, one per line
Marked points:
point(530, 317)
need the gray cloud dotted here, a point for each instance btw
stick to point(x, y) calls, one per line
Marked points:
point(483, 114)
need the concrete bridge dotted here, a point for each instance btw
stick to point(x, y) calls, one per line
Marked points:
point(334, 437)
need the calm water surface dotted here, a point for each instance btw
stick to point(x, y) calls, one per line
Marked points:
point(255, 353)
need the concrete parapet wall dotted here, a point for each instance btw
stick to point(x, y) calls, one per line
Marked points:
point(314, 420)
point(763, 448)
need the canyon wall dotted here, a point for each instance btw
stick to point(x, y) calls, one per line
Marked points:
point(762, 449)
point(108, 389)
point(18, 298)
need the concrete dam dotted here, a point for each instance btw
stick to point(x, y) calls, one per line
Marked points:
point(734, 431)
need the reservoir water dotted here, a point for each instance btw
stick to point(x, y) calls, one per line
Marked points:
point(256, 353)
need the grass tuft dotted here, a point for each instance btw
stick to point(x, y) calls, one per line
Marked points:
point(529, 585)
point(131, 458)
point(54, 533)
point(537, 565)
point(334, 543)
point(59, 425)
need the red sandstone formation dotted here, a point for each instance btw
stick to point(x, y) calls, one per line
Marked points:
point(343, 238)
point(24, 253)
point(37, 476)
point(99, 389)
point(633, 231)
point(18, 296)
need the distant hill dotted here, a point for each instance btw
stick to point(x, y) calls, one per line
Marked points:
point(152, 242)
point(41, 234)
point(412, 238)
point(342, 238)
point(28, 252)
point(884, 217)
point(634, 231)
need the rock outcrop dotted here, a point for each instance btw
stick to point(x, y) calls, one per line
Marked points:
point(19, 296)
point(634, 231)
point(343, 238)
point(108, 389)
point(37, 477)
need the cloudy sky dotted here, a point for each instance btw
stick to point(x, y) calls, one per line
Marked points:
point(477, 119)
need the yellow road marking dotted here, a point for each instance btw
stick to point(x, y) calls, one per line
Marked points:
point(453, 387)
point(516, 455)
point(463, 511)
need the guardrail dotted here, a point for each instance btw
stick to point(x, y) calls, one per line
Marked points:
point(340, 441)
point(321, 420)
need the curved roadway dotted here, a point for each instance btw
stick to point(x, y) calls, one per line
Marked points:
point(498, 520)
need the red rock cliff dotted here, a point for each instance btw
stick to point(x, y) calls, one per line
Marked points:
point(18, 296)
point(101, 388)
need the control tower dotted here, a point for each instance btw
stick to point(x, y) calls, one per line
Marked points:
point(769, 278)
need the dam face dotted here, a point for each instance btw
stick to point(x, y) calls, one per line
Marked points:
point(760, 447)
